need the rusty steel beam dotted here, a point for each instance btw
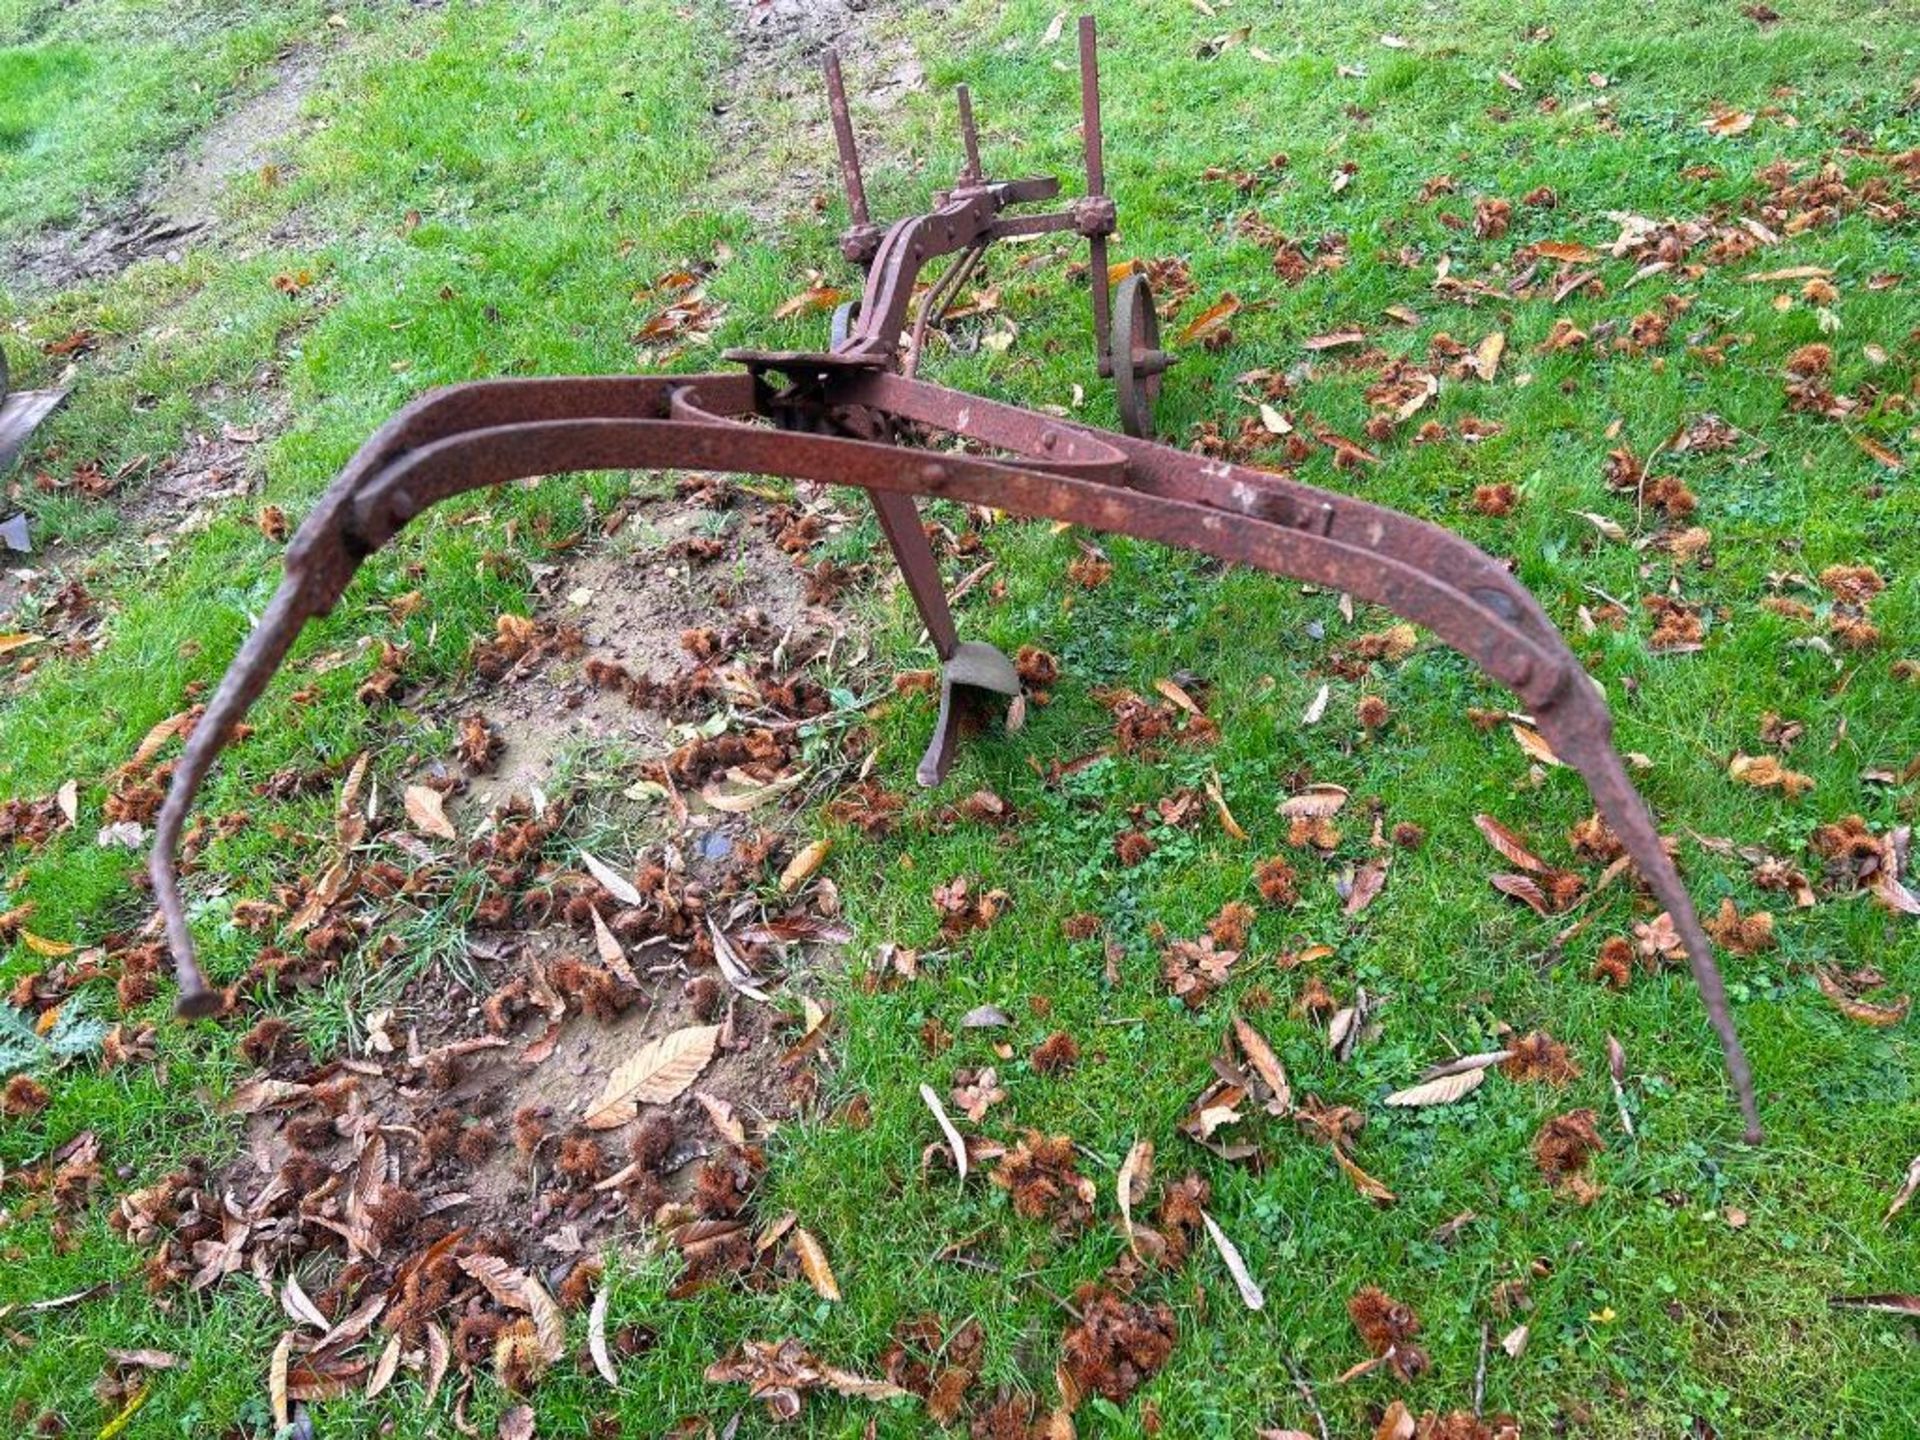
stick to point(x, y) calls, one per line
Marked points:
point(840, 416)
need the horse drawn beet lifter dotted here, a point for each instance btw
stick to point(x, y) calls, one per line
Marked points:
point(847, 415)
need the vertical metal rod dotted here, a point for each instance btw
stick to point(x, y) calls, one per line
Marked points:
point(1096, 185)
point(900, 522)
point(969, 137)
point(843, 139)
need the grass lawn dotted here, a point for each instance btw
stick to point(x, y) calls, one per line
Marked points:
point(483, 189)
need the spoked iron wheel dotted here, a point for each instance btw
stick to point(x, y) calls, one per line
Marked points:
point(1138, 360)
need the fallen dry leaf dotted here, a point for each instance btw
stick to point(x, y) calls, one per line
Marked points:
point(802, 866)
point(1863, 1011)
point(1136, 1172)
point(1227, 822)
point(814, 1265)
point(778, 1375)
point(954, 1142)
point(1617, 1073)
point(426, 809)
point(1444, 1091)
point(1886, 1304)
point(659, 1071)
point(1243, 1281)
point(1510, 845)
point(814, 299)
point(277, 1380)
point(1266, 1064)
point(611, 880)
point(1907, 1187)
point(1368, 881)
point(1371, 1188)
point(1531, 741)
point(597, 1338)
point(1210, 320)
point(1316, 802)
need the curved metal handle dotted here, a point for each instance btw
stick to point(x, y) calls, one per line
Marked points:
point(482, 434)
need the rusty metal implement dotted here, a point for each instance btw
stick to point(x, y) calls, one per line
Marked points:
point(21, 412)
point(844, 416)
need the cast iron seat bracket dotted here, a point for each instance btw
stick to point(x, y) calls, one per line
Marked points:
point(467, 437)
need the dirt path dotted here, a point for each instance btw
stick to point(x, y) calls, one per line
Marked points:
point(178, 209)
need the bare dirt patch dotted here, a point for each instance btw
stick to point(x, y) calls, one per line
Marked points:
point(777, 158)
point(633, 600)
point(178, 208)
point(516, 1094)
point(452, 1183)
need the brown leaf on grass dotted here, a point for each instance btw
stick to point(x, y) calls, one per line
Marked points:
point(1334, 340)
point(1764, 772)
point(597, 1337)
point(1905, 1193)
point(277, 1380)
point(610, 879)
point(515, 1289)
point(659, 1071)
point(779, 1375)
point(1510, 845)
point(1885, 1304)
point(814, 1265)
point(1369, 1187)
point(1863, 1011)
point(1531, 741)
point(1617, 1075)
point(813, 300)
point(1250, 1293)
point(1136, 1173)
point(1523, 889)
point(1211, 321)
point(1218, 1107)
point(1316, 802)
point(1368, 881)
point(1443, 1091)
point(1227, 822)
point(1266, 1064)
point(383, 1371)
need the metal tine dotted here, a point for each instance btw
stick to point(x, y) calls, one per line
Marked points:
point(969, 137)
point(1090, 139)
point(844, 141)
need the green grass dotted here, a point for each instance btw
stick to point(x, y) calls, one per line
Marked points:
point(558, 158)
